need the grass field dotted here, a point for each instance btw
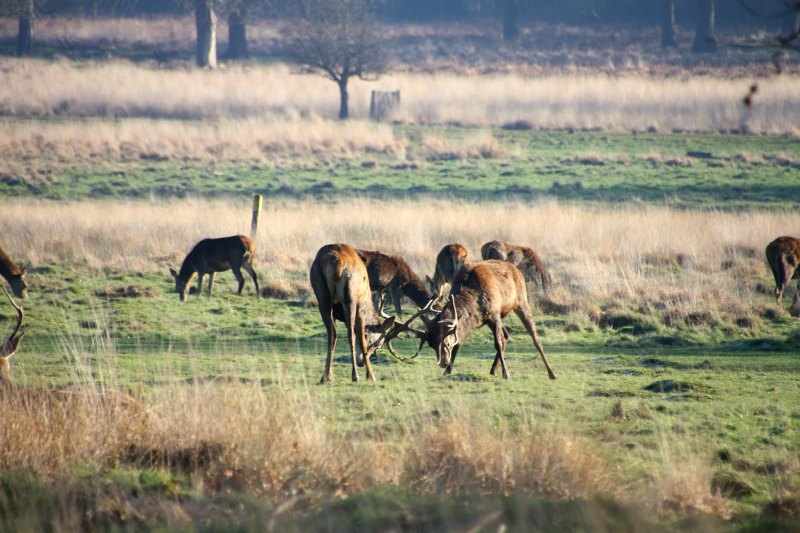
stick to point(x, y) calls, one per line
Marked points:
point(158, 412)
point(650, 200)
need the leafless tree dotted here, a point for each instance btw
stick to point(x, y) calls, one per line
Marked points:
point(338, 39)
point(789, 38)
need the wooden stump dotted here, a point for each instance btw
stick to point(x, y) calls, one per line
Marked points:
point(383, 103)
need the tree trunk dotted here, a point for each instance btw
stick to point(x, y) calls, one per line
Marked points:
point(344, 100)
point(792, 23)
point(237, 36)
point(25, 30)
point(510, 20)
point(206, 21)
point(668, 25)
point(704, 38)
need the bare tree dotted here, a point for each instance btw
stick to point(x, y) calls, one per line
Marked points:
point(338, 39)
point(668, 25)
point(25, 11)
point(705, 39)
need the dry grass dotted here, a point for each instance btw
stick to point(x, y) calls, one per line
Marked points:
point(684, 266)
point(240, 140)
point(619, 103)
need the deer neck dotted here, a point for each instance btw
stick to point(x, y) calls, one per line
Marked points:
point(469, 314)
point(416, 290)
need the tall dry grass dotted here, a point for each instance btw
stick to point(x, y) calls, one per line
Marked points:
point(648, 258)
point(619, 103)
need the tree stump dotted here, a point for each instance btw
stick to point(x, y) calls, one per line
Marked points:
point(383, 103)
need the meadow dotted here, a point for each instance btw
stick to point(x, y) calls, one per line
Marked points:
point(647, 187)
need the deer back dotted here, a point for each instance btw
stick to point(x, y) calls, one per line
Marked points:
point(450, 260)
point(339, 270)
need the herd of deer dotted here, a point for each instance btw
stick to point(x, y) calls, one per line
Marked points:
point(350, 286)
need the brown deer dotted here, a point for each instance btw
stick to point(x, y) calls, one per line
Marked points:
point(483, 293)
point(341, 284)
point(14, 274)
point(9, 347)
point(522, 257)
point(783, 256)
point(449, 262)
point(210, 256)
point(393, 274)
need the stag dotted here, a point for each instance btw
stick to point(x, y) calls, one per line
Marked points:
point(341, 284)
point(210, 256)
point(783, 256)
point(522, 257)
point(449, 262)
point(483, 294)
point(9, 347)
point(14, 274)
point(392, 274)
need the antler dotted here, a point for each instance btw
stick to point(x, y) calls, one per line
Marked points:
point(406, 326)
point(9, 347)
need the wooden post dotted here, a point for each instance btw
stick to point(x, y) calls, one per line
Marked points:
point(258, 201)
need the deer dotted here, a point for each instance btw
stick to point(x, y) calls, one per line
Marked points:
point(11, 344)
point(449, 262)
point(14, 274)
point(484, 293)
point(210, 256)
point(783, 256)
point(340, 282)
point(522, 257)
point(393, 274)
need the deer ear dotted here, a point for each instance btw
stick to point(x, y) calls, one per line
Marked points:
point(172, 271)
point(23, 271)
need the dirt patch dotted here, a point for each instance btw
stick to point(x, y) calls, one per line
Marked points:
point(517, 125)
point(551, 307)
point(669, 385)
point(610, 394)
point(653, 362)
point(637, 325)
point(728, 484)
point(782, 508)
point(131, 291)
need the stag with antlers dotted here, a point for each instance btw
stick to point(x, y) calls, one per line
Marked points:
point(9, 347)
point(483, 294)
point(341, 285)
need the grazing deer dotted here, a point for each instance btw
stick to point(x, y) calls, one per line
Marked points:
point(783, 256)
point(522, 257)
point(484, 293)
point(210, 256)
point(449, 262)
point(341, 284)
point(9, 347)
point(393, 274)
point(14, 274)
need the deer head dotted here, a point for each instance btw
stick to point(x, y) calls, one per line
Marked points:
point(9, 347)
point(181, 283)
point(18, 284)
point(446, 336)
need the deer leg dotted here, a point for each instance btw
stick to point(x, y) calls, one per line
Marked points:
point(200, 283)
point(210, 282)
point(397, 297)
point(524, 314)
point(499, 345)
point(238, 273)
point(377, 301)
point(330, 326)
point(351, 337)
point(252, 271)
point(362, 339)
point(449, 368)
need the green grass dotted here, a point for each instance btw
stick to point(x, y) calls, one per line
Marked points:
point(743, 170)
